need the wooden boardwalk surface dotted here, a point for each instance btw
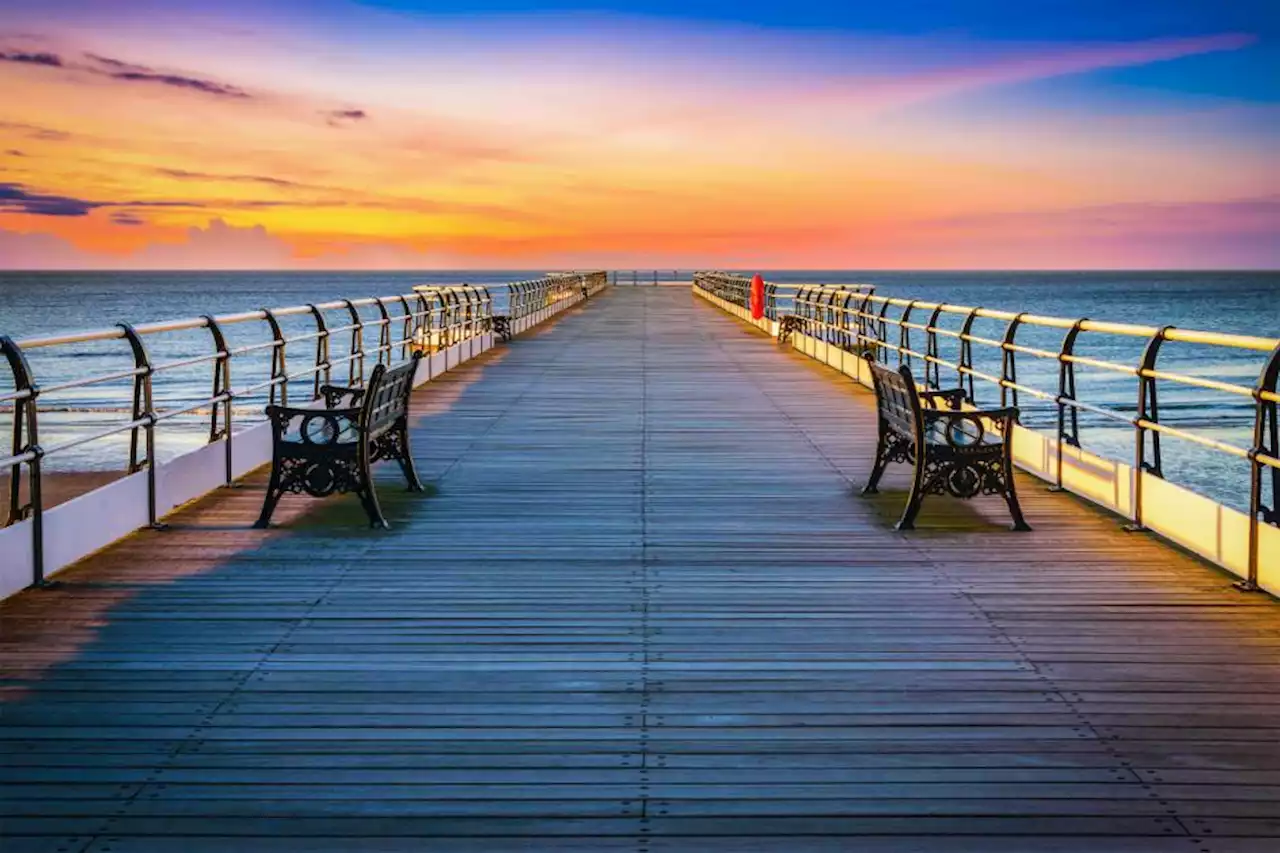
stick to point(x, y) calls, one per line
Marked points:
point(641, 609)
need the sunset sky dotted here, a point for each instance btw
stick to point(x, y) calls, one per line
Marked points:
point(909, 134)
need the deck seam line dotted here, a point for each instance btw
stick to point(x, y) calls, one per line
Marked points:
point(642, 842)
point(751, 377)
point(194, 736)
point(511, 404)
point(1125, 766)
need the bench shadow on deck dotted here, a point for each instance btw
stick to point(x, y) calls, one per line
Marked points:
point(640, 608)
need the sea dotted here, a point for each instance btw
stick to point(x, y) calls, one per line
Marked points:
point(43, 303)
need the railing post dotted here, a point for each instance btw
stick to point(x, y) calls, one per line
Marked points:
point(849, 330)
point(932, 370)
point(143, 410)
point(1266, 442)
point(221, 388)
point(450, 300)
point(406, 328)
point(473, 311)
point(322, 353)
point(1067, 394)
point(882, 334)
point(1009, 363)
point(279, 368)
point(864, 327)
point(1148, 412)
point(26, 440)
point(356, 350)
point(384, 331)
point(904, 334)
point(831, 332)
point(468, 325)
point(966, 353)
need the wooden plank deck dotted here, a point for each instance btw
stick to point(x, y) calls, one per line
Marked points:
point(640, 609)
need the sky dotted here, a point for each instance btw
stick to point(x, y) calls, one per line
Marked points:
point(331, 134)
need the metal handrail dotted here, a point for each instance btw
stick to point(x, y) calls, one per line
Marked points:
point(866, 326)
point(431, 317)
point(736, 288)
point(645, 277)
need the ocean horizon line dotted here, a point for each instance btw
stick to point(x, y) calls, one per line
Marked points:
point(427, 270)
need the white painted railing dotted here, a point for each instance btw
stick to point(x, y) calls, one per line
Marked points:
point(844, 329)
point(450, 324)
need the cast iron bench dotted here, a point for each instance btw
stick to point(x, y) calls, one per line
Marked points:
point(500, 325)
point(789, 324)
point(322, 451)
point(953, 451)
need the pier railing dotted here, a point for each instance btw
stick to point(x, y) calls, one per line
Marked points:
point(952, 345)
point(650, 278)
point(778, 296)
point(269, 355)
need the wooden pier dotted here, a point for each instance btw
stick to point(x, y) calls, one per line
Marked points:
point(640, 608)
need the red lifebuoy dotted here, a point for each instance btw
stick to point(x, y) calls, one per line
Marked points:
point(757, 297)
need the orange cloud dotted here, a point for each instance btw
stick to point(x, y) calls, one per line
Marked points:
point(184, 154)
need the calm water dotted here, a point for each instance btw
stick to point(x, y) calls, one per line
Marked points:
point(1246, 303)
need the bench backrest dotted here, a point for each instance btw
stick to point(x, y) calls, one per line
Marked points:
point(896, 399)
point(386, 398)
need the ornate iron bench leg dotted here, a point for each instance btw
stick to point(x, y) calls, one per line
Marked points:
point(912, 509)
point(877, 467)
point(405, 458)
point(271, 498)
point(889, 448)
point(364, 488)
point(1011, 495)
point(369, 500)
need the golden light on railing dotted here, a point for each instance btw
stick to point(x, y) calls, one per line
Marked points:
point(864, 325)
point(427, 320)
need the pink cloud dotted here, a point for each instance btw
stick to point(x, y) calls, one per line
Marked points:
point(217, 246)
point(19, 251)
point(875, 92)
point(1252, 215)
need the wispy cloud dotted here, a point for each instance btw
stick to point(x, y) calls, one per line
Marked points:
point(35, 131)
point(188, 175)
point(1030, 66)
point(1256, 214)
point(118, 69)
point(129, 72)
point(51, 60)
point(16, 198)
point(341, 118)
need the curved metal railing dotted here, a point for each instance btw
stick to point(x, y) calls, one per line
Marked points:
point(779, 297)
point(646, 277)
point(355, 334)
point(914, 331)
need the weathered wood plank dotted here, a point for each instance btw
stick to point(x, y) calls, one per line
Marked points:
point(641, 607)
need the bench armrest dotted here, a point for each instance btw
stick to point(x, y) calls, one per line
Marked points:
point(1007, 413)
point(333, 395)
point(969, 428)
point(313, 427)
point(953, 397)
